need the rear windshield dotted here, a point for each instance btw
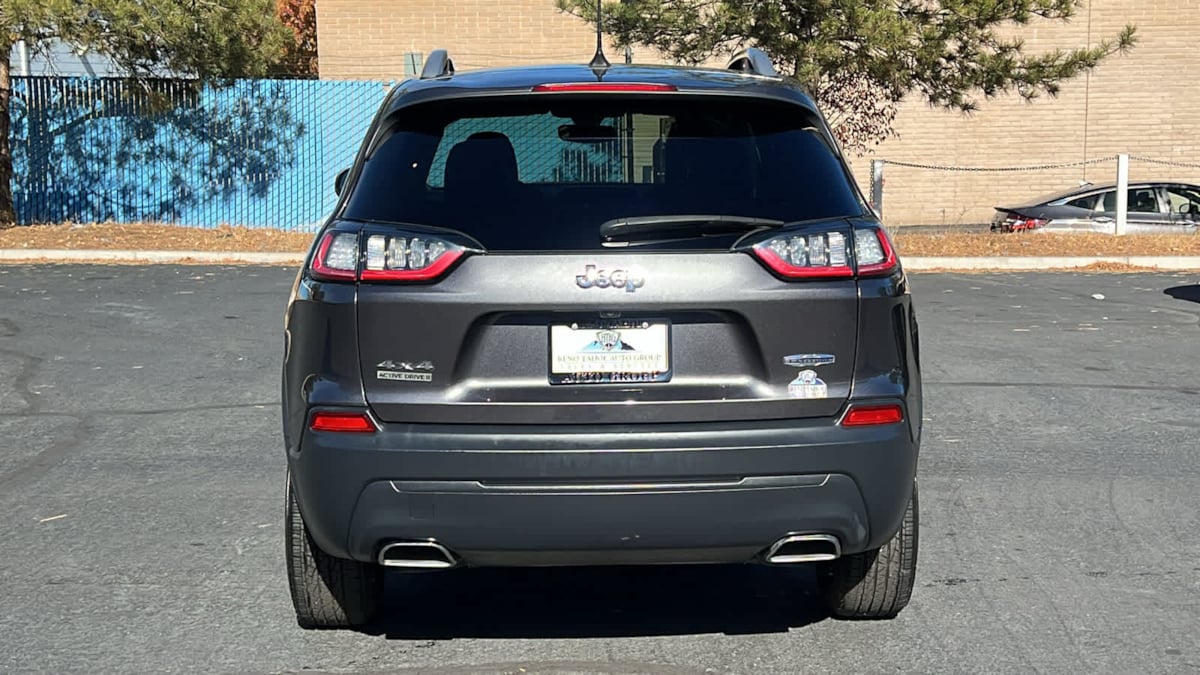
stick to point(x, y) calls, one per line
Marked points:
point(544, 173)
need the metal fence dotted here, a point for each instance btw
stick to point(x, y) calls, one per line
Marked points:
point(260, 153)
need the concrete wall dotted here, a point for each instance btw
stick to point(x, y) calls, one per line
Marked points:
point(1146, 103)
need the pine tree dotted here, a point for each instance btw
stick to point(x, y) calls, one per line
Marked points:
point(860, 58)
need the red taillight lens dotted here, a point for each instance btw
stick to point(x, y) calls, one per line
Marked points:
point(873, 415)
point(604, 87)
point(1017, 223)
point(343, 422)
point(337, 257)
point(400, 257)
point(408, 258)
point(873, 252)
point(809, 255)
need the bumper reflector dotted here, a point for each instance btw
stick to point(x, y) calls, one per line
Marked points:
point(872, 415)
point(343, 422)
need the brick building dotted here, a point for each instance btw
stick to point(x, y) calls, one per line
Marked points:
point(1145, 103)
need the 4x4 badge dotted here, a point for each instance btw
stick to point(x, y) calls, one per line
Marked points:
point(403, 371)
point(598, 278)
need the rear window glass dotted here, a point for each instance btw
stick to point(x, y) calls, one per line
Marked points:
point(545, 173)
point(543, 157)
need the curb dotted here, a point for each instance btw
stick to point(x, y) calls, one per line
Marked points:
point(1010, 263)
point(64, 255)
point(912, 263)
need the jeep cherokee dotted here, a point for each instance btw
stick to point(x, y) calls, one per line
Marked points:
point(569, 315)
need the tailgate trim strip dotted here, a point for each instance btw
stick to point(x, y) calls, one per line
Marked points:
point(559, 487)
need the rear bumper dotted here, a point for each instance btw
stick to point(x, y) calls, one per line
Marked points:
point(585, 495)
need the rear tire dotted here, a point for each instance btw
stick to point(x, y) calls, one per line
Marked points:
point(876, 584)
point(327, 592)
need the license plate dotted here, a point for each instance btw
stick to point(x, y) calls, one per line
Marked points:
point(610, 352)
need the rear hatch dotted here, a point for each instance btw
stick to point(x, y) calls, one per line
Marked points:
point(558, 259)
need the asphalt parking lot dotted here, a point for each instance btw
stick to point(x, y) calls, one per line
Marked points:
point(141, 501)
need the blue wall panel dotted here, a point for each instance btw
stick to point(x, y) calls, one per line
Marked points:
point(260, 153)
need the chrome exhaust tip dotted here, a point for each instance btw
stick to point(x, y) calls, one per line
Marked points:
point(804, 548)
point(426, 555)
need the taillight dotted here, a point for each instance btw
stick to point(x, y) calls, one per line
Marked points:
point(800, 256)
point(343, 422)
point(386, 257)
point(824, 255)
point(873, 252)
point(873, 415)
point(1014, 222)
point(415, 258)
point(604, 87)
point(337, 257)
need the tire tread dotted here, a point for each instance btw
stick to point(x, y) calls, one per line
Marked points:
point(327, 592)
point(877, 584)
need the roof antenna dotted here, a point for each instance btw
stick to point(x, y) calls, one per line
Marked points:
point(599, 61)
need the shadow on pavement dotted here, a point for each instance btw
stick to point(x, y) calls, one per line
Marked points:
point(598, 602)
point(1191, 292)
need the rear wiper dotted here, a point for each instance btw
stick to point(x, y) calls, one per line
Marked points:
point(641, 230)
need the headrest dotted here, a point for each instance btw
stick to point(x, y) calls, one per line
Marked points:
point(484, 162)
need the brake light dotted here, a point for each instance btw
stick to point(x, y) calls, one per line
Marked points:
point(407, 257)
point(416, 258)
point(824, 254)
point(343, 422)
point(873, 252)
point(1015, 222)
point(873, 415)
point(604, 87)
point(799, 256)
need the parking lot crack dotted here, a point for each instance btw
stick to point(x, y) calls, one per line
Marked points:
point(41, 463)
point(188, 409)
point(29, 365)
point(1191, 391)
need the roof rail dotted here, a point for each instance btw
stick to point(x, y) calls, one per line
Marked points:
point(753, 61)
point(438, 65)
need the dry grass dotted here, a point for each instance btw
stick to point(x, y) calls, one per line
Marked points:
point(985, 244)
point(146, 236)
point(1094, 268)
point(150, 237)
point(1113, 267)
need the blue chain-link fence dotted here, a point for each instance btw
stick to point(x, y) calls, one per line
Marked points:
point(260, 153)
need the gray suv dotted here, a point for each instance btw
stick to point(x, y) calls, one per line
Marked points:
point(627, 315)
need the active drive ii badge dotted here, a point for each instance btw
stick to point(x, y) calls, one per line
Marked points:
point(403, 371)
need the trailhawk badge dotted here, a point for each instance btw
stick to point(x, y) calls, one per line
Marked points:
point(403, 371)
